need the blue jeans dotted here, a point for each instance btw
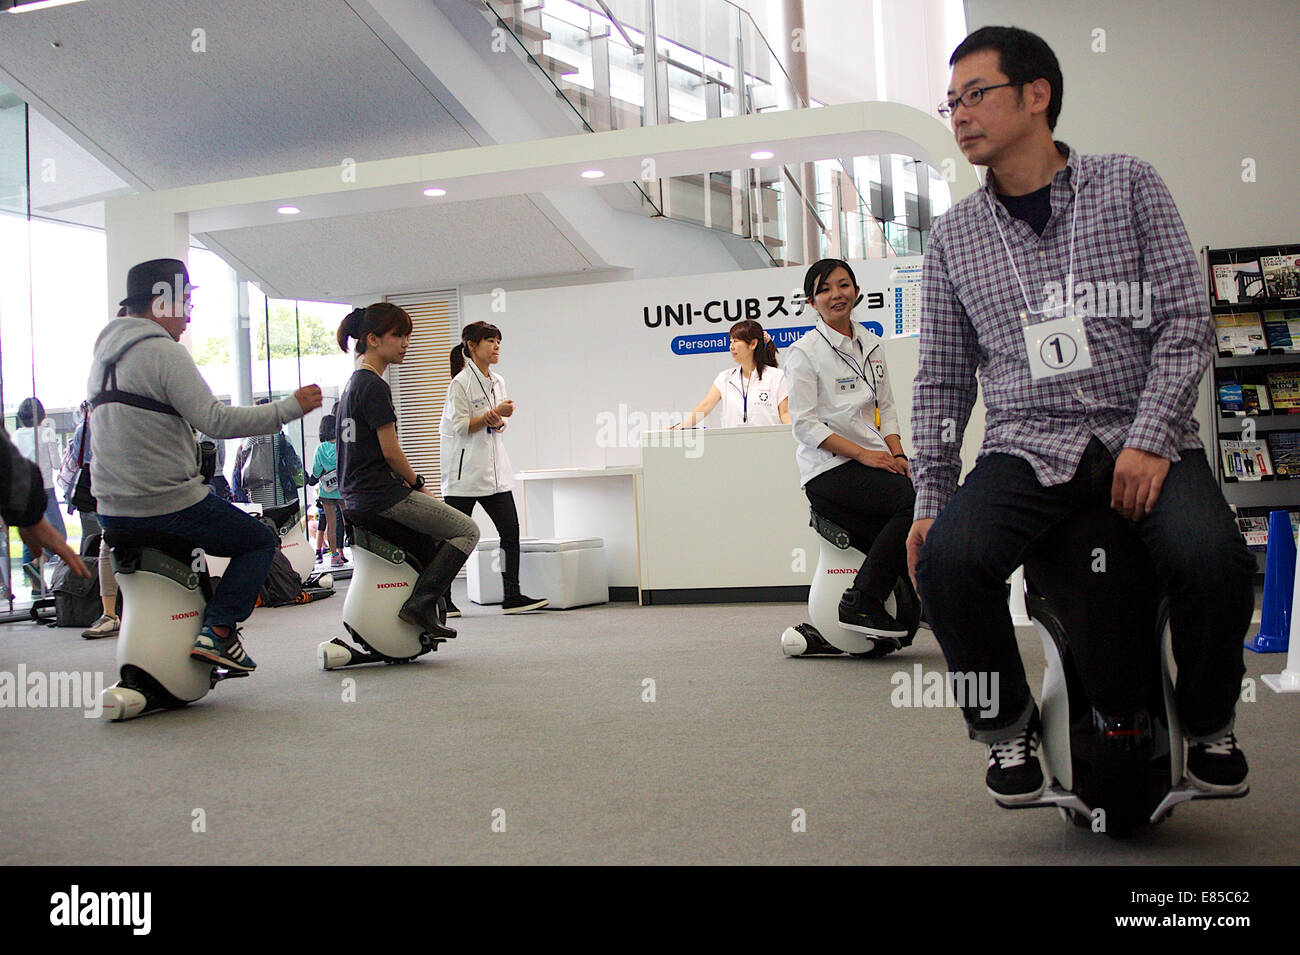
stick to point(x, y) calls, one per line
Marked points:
point(54, 515)
point(222, 530)
point(1000, 511)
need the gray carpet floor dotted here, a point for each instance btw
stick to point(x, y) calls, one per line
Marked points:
point(537, 723)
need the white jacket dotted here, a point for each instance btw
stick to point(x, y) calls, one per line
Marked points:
point(836, 385)
point(473, 465)
point(40, 445)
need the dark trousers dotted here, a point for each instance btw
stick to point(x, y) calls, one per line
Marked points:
point(999, 513)
point(875, 507)
point(223, 530)
point(501, 508)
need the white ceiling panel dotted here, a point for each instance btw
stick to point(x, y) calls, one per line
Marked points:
point(406, 250)
point(289, 84)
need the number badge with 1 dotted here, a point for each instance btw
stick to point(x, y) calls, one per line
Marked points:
point(1058, 346)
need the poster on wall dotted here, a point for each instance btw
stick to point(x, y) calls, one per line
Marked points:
point(587, 362)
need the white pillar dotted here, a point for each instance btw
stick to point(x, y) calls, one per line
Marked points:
point(136, 229)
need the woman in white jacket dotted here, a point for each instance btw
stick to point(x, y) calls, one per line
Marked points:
point(853, 470)
point(475, 468)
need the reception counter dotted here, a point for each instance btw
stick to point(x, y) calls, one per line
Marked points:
point(721, 517)
point(588, 502)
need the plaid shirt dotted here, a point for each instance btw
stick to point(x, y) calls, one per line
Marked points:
point(1141, 390)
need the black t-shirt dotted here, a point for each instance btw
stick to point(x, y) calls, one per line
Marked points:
point(366, 481)
point(1033, 207)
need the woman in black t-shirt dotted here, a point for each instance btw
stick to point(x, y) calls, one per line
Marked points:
point(374, 475)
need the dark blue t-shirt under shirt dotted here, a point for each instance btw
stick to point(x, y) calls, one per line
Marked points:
point(1033, 207)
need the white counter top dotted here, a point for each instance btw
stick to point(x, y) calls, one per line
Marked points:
point(559, 474)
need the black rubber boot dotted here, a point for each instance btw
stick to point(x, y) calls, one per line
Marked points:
point(421, 608)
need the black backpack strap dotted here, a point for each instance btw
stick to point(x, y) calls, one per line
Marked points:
point(115, 395)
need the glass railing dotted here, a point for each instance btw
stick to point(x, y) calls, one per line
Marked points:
point(620, 64)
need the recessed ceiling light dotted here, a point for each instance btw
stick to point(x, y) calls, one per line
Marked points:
point(435, 191)
point(288, 210)
point(592, 173)
point(762, 154)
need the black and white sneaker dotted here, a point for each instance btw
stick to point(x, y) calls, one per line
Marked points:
point(868, 615)
point(452, 609)
point(1217, 766)
point(521, 603)
point(1014, 775)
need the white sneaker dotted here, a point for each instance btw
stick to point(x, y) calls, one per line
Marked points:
point(105, 626)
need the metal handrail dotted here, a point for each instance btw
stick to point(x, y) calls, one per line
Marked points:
point(601, 8)
point(636, 47)
point(785, 171)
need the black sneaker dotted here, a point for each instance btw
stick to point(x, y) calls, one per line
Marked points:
point(1014, 774)
point(868, 615)
point(452, 609)
point(521, 603)
point(1218, 766)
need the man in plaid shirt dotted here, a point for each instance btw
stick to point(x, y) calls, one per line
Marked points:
point(1101, 415)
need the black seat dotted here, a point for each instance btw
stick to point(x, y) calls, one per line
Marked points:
point(418, 547)
point(282, 514)
point(828, 530)
point(1094, 575)
point(126, 545)
point(125, 540)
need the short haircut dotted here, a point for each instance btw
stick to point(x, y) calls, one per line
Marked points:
point(1022, 56)
point(30, 413)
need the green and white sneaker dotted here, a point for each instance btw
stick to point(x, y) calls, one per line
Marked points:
point(228, 652)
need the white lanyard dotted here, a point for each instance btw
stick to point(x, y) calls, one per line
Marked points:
point(848, 360)
point(1069, 271)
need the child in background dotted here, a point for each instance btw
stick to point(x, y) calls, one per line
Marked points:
point(329, 501)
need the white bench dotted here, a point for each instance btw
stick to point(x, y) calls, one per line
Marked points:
point(568, 573)
point(483, 571)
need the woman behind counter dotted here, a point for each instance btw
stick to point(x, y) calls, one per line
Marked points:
point(754, 392)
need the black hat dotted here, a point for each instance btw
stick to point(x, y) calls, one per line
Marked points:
point(143, 280)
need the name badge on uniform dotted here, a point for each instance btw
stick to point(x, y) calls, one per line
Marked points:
point(1057, 347)
point(846, 384)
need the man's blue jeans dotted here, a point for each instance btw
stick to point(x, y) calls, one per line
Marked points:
point(221, 530)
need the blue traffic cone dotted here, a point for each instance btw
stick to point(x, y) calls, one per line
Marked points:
point(1279, 587)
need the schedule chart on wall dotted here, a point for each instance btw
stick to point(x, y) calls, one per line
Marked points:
point(906, 280)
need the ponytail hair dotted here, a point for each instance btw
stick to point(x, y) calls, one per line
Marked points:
point(764, 348)
point(457, 359)
point(380, 318)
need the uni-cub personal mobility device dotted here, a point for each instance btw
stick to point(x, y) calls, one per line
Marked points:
point(165, 586)
point(1113, 746)
point(387, 558)
point(837, 564)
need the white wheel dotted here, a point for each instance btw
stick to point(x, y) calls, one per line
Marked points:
point(331, 656)
point(120, 703)
point(793, 643)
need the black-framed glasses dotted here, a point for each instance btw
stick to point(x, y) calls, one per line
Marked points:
point(970, 99)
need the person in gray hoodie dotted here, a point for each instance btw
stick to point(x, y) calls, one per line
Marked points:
point(148, 396)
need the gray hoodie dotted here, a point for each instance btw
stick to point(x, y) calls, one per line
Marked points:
point(143, 463)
